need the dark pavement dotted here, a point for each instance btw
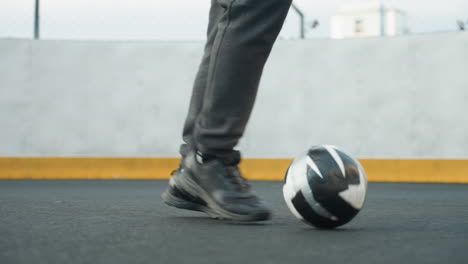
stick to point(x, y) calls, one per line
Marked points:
point(114, 221)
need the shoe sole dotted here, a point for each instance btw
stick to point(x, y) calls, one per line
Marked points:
point(194, 189)
point(174, 201)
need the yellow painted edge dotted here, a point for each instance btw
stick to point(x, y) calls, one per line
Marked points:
point(384, 170)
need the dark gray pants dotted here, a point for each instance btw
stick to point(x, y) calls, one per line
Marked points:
point(240, 35)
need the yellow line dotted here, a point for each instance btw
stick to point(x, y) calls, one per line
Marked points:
point(387, 170)
point(417, 170)
point(86, 168)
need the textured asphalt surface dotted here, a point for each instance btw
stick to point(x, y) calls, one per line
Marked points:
point(125, 222)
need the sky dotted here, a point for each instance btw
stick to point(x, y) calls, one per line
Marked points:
point(187, 19)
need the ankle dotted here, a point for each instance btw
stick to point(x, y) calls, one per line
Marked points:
point(231, 158)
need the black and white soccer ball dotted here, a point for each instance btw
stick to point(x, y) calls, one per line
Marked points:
point(325, 187)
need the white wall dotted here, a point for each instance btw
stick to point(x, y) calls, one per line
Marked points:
point(376, 97)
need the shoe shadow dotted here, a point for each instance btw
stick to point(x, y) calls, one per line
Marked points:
point(206, 220)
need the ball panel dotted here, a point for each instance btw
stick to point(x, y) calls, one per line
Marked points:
point(310, 215)
point(333, 180)
point(357, 182)
point(333, 152)
point(288, 196)
point(351, 168)
point(354, 196)
point(303, 167)
point(289, 192)
point(324, 161)
point(327, 193)
point(296, 180)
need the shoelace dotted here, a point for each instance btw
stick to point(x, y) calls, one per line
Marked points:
point(237, 179)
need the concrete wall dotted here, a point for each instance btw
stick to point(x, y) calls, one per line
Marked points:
point(376, 97)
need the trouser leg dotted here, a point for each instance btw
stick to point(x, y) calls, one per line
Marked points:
point(245, 34)
point(200, 84)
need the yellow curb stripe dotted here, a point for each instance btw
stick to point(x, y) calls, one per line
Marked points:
point(416, 170)
point(86, 168)
point(386, 170)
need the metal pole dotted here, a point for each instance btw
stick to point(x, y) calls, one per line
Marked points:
point(302, 22)
point(36, 20)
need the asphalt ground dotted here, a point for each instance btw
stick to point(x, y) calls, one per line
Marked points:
point(115, 221)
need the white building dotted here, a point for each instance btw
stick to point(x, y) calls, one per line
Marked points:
point(367, 19)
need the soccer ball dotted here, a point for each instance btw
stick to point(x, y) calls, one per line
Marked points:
point(325, 187)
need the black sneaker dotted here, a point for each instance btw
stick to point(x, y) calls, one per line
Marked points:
point(219, 184)
point(177, 197)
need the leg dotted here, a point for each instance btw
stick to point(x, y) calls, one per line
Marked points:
point(223, 97)
point(199, 87)
point(246, 33)
point(174, 195)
